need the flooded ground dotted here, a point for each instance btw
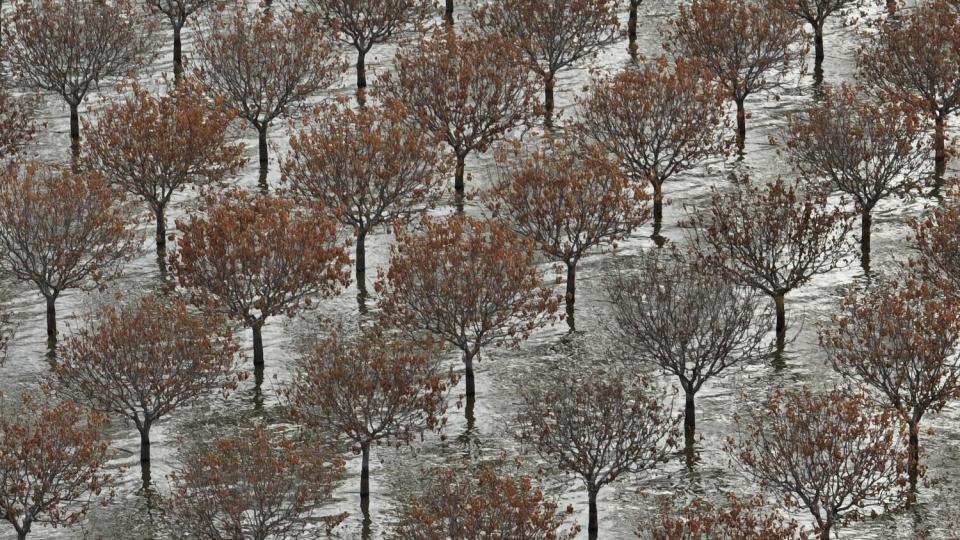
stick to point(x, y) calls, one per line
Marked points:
point(623, 505)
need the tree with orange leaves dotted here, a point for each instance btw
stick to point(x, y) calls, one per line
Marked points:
point(937, 237)
point(569, 198)
point(554, 34)
point(178, 12)
point(369, 167)
point(370, 389)
point(255, 257)
point(145, 360)
point(815, 13)
point(830, 453)
point(253, 485)
point(746, 46)
point(660, 118)
point(917, 58)
point(469, 91)
point(742, 518)
point(264, 65)
point(52, 461)
point(866, 149)
point(61, 230)
point(16, 124)
point(469, 282)
point(900, 340)
point(154, 146)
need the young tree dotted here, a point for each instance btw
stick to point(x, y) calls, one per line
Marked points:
point(569, 198)
point(687, 321)
point(868, 150)
point(61, 230)
point(372, 389)
point(773, 238)
point(265, 64)
point(900, 340)
point(154, 146)
point(52, 458)
point(746, 46)
point(660, 119)
point(599, 428)
point(468, 282)
point(467, 90)
point(144, 360)
point(369, 167)
point(17, 124)
point(253, 485)
point(827, 452)
point(741, 519)
point(365, 23)
point(938, 239)
point(815, 13)
point(489, 501)
point(255, 257)
point(918, 59)
point(178, 12)
point(554, 34)
point(69, 46)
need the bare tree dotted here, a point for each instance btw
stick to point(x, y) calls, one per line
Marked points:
point(747, 46)
point(830, 453)
point(554, 34)
point(143, 361)
point(815, 13)
point(598, 427)
point(52, 457)
point(265, 64)
point(61, 230)
point(866, 149)
point(686, 320)
point(178, 12)
point(69, 47)
point(773, 238)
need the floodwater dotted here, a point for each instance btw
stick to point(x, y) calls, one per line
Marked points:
point(623, 505)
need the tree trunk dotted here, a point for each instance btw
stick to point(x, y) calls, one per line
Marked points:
point(891, 7)
point(939, 139)
point(468, 375)
point(448, 13)
point(177, 53)
point(741, 125)
point(74, 123)
point(144, 442)
point(361, 68)
point(361, 255)
point(548, 84)
point(365, 471)
point(818, 46)
point(458, 185)
point(161, 230)
point(865, 223)
point(264, 155)
point(657, 204)
point(825, 533)
point(21, 535)
point(913, 462)
point(689, 419)
point(52, 316)
point(781, 319)
point(571, 283)
point(593, 525)
point(632, 26)
point(258, 344)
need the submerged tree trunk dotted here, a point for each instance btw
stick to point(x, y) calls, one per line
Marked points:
point(52, 316)
point(361, 68)
point(827, 527)
point(657, 204)
point(781, 320)
point(593, 525)
point(818, 54)
point(448, 12)
point(365, 471)
point(865, 225)
point(361, 256)
point(160, 214)
point(257, 344)
point(913, 456)
point(264, 154)
point(571, 283)
point(689, 418)
point(939, 139)
point(741, 124)
point(468, 374)
point(632, 26)
point(548, 84)
point(177, 53)
point(458, 184)
point(144, 430)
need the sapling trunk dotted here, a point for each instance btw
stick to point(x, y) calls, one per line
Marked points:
point(365, 471)
point(781, 319)
point(361, 69)
point(741, 124)
point(258, 344)
point(177, 53)
point(52, 316)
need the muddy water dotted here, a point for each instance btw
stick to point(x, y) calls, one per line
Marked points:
point(135, 514)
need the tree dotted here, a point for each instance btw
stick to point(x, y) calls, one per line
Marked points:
point(687, 321)
point(144, 360)
point(661, 120)
point(61, 230)
point(365, 23)
point(255, 257)
point(773, 238)
point(69, 47)
point(52, 458)
point(154, 146)
point(746, 46)
point(827, 452)
point(469, 282)
point(938, 240)
point(253, 485)
point(740, 518)
point(369, 167)
point(553, 34)
point(178, 12)
point(816, 13)
point(632, 25)
point(265, 64)
point(918, 59)
point(900, 340)
point(487, 501)
point(569, 198)
point(598, 427)
point(371, 389)
point(467, 90)
point(17, 124)
point(865, 149)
